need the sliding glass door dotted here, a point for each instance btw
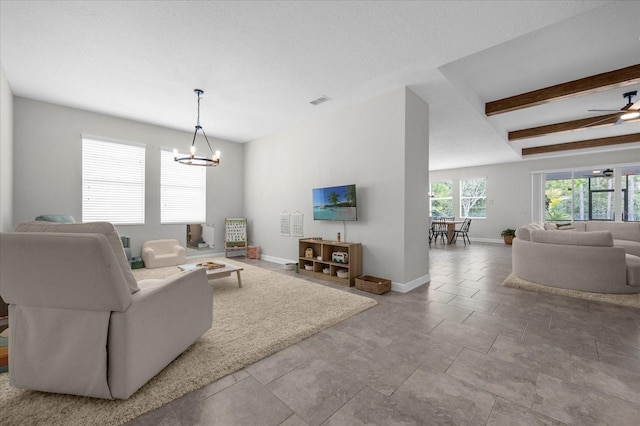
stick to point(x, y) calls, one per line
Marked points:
point(593, 194)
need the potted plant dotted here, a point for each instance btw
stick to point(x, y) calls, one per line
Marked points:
point(508, 235)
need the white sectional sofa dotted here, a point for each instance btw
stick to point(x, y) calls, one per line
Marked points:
point(599, 257)
point(625, 234)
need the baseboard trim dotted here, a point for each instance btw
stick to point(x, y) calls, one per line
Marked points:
point(413, 284)
point(489, 240)
point(197, 256)
point(274, 259)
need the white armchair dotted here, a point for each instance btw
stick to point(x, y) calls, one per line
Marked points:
point(80, 324)
point(159, 253)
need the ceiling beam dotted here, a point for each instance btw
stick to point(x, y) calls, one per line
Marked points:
point(566, 126)
point(595, 83)
point(590, 143)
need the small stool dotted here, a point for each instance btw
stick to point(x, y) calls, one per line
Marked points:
point(253, 252)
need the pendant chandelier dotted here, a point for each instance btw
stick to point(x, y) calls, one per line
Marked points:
point(192, 159)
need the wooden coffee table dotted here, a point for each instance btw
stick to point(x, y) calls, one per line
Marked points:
point(216, 273)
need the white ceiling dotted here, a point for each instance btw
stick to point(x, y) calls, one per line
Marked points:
point(260, 63)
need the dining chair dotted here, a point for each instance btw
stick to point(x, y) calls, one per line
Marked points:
point(464, 231)
point(438, 230)
point(431, 231)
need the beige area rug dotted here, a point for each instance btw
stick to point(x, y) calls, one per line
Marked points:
point(270, 312)
point(631, 300)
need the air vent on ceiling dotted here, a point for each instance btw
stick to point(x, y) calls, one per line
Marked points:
point(322, 99)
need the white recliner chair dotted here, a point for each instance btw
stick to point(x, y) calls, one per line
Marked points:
point(80, 324)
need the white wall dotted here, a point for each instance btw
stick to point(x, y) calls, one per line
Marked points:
point(416, 176)
point(363, 145)
point(6, 154)
point(48, 175)
point(509, 187)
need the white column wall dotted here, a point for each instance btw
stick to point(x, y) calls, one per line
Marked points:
point(6, 154)
point(363, 145)
point(416, 219)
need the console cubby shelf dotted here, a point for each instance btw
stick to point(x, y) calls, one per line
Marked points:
point(325, 250)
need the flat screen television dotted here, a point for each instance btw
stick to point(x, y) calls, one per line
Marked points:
point(335, 203)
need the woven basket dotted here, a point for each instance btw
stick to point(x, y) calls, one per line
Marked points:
point(373, 284)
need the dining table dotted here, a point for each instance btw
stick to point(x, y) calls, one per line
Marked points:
point(451, 227)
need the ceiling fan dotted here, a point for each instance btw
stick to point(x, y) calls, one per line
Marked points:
point(628, 112)
point(600, 173)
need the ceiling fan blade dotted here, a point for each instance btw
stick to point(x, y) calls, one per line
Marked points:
point(594, 123)
point(629, 110)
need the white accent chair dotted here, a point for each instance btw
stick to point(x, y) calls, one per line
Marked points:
point(80, 324)
point(160, 253)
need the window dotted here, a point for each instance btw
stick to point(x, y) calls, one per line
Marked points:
point(631, 194)
point(183, 196)
point(441, 199)
point(112, 182)
point(601, 199)
point(592, 195)
point(559, 197)
point(473, 198)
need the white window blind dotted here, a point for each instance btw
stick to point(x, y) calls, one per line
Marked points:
point(112, 182)
point(183, 197)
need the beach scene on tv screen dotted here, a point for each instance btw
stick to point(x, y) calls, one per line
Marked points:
point(335, 203)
